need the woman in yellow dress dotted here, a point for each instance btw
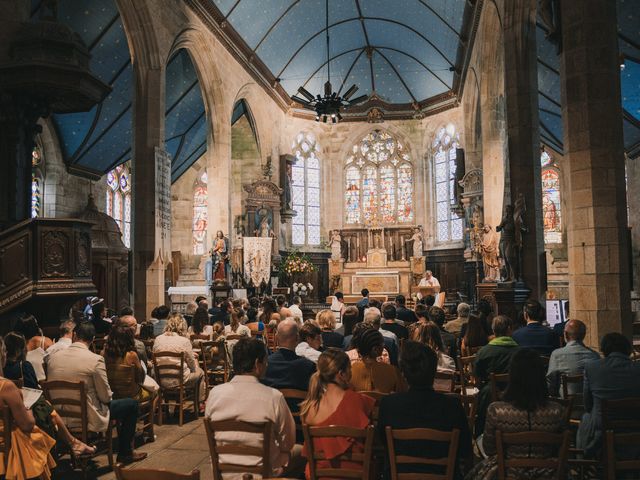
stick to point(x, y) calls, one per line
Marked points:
point(30, 455)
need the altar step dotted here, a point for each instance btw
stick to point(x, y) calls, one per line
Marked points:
point(191, 277)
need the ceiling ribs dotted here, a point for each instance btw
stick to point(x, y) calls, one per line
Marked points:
point(284, 14)
point(369, 52)
point(437, 15)
point(399, 76)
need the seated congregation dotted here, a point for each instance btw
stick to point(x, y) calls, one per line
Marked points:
point(356, 392)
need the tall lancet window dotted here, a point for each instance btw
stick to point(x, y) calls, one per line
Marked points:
point(305, 189)
point(551, 206)
point(448, 226)
point(118, 200)
point(378, 182)
point(200, 214)
point(37, 182)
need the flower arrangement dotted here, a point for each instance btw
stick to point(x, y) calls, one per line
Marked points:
point(302, 288)
point(297, 263)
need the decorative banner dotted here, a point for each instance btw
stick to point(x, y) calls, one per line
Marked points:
point(257, 259)
point(163, 197)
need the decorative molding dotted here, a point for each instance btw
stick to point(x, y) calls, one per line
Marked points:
point(83, 254)
point(23, 292)
point(55, 253)
point(472, 183)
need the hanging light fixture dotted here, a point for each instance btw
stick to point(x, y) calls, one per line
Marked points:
point(328, 106)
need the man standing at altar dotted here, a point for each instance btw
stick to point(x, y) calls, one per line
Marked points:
point(429, 280)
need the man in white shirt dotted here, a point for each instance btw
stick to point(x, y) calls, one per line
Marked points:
point(429, 281)
point(296, 311)
point(65, 340)
point(244, 398)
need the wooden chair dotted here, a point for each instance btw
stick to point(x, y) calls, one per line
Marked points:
point(147, 409)
point(566, 381)
point(69, 399)
point(98, 344)
point(469, 351)
point(445, 382)
point(227, 448)
point(270, 336)
point(178, 396)
point(557, 464)
point(470, 405)
point(615, 465)
point(620, 423)
point(497, 380)
point(146, 474)
point(468, 382)
point(5, 434)
point(292, 395)
point(18, 382)
point(365, 434)
point(422, 434)
point(215, 362)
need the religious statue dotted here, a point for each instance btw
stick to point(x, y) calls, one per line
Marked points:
point(508, 249)
point(520, 229)
point(287, 186)
point(489, 250)
point(264, 225)
point(337, 245)
point(220, 256)
point(418, 242)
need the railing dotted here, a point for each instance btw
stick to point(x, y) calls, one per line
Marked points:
point(45, 257)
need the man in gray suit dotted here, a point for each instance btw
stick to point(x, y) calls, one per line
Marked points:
point(613, 377)
point(78, 363)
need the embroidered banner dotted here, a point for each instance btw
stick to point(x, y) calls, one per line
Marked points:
point(257, 259)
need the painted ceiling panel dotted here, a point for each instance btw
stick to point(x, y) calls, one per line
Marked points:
point(289, 38)
point(387, 83)
point(254, 17)
point(630, 84)
point(72, 129)
point(549, 79)
point(423, 83)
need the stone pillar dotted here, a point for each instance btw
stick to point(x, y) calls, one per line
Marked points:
point(597, 235)
point(219, 178)
point(521, 97)
point(149, 259)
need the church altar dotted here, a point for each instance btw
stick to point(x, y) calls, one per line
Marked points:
point(389, 266)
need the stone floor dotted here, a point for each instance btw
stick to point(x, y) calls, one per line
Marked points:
point(180, 449)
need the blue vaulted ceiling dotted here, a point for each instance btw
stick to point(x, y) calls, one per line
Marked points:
point(402, 50)
point(551, 129)
point(101, 138)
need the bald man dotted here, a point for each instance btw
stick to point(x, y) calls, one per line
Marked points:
point(570, 359)
point(285, 369)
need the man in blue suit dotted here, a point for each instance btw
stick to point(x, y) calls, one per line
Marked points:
point(534, 334)
point(613, 377)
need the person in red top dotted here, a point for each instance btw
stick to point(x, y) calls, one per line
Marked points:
point(330, 402)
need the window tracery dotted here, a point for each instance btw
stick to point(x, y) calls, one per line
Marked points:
point(551, 206)
point(449, 227)
point(305, 189)
point(378, 182)
point(118, 200)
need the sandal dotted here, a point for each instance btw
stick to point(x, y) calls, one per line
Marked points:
point(79, 448)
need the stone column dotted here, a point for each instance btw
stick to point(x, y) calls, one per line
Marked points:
point(149, 259)
point(521, 97)
point(219, 178)
point(597, 229)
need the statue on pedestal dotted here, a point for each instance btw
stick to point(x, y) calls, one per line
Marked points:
point(488, 247)
point(337, 245)
point(417, 241)
point(520, 229)
point(507, 228)
point(220, 257)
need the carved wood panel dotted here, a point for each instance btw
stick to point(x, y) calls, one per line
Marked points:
point(55, 249)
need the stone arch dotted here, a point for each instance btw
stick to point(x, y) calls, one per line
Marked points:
point(253, 97)
point(472, 120)
point(141, 36)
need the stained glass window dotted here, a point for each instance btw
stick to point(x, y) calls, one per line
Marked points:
point(118, 200)
point(200, 214)
point(305, 190)
point(378, 182)
point(449, 227)
point(37, 182)
point(551, 207)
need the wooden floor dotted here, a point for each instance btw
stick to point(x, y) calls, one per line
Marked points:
point(180, 449)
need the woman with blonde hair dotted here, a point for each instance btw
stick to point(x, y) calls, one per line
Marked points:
point(175, 339)
point(326, 320)
point(330, 402)
point(235, 328)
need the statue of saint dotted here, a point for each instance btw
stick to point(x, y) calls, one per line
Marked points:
point(508, 246)
point(336, 245)
point(220, 256)
point(418, 242)
point(489, 250)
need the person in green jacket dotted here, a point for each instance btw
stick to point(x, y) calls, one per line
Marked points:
point(494, 357)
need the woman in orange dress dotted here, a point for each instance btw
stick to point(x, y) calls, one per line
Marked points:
point(30, 447)
point(330, 402)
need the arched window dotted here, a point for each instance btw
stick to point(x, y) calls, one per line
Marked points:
point(200, 215)
point(551, 206)
point(118, 200)
point(37, 182)
point(305, 189)
point(449, 226)
point(378, 177)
